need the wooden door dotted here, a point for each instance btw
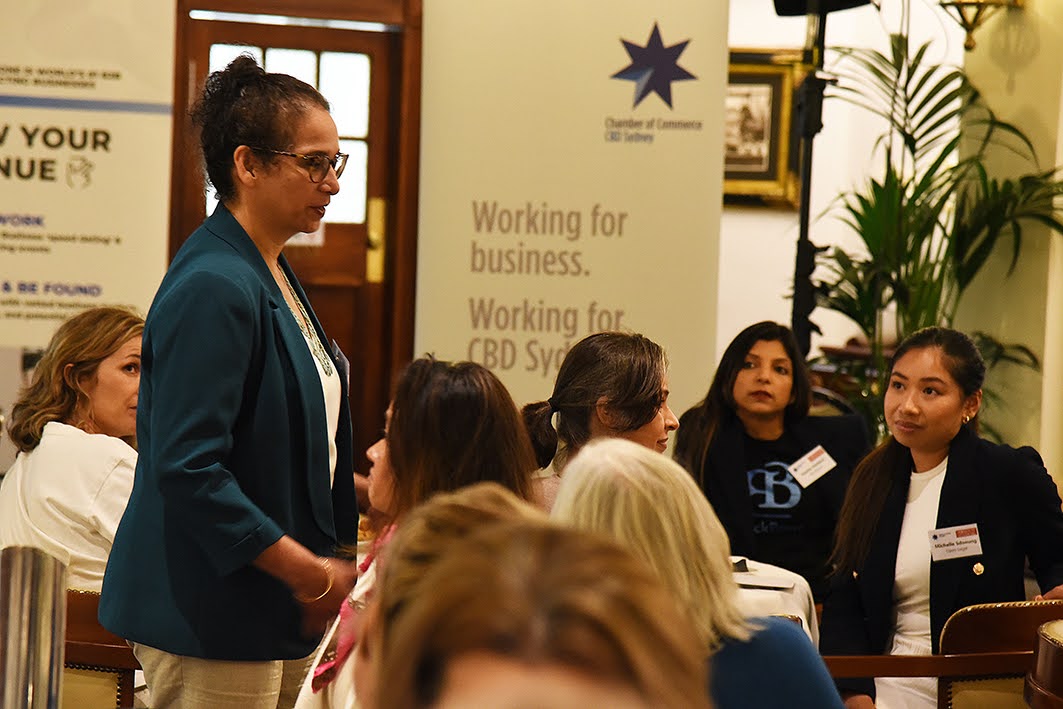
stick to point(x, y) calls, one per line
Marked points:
point(347, 281)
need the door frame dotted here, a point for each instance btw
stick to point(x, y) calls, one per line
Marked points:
point(406, 17)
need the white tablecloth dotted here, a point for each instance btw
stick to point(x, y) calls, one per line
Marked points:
point(770, 590)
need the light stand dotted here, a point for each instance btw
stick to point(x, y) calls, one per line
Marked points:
point(810, 112)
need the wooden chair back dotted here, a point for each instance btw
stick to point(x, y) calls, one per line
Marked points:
point(985, 644)
point(992, 627)
point(1044, 683)
point(99, 666)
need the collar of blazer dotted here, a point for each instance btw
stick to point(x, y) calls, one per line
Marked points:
point(311, 398)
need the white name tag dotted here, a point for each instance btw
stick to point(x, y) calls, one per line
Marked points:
point(812, 466)
point(955, 542)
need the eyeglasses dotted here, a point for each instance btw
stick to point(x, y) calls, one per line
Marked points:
point(316, 165)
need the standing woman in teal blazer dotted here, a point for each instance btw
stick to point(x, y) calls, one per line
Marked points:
point(220, 574)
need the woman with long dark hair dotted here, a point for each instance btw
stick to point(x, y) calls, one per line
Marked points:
point(741, 444)
point(934, 481)
point(450, 425)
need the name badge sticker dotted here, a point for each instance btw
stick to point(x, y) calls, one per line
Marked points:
point(812, 466)
point(955, 542)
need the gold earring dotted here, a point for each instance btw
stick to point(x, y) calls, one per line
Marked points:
point(966, 419)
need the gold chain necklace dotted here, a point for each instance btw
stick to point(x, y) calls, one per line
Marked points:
point(303, 319)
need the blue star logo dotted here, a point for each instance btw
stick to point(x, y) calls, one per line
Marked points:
point(654, 67)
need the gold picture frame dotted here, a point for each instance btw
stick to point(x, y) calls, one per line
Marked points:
point(760, 143)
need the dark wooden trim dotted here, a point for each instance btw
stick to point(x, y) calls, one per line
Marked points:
point(965, 665)
point(404, 243)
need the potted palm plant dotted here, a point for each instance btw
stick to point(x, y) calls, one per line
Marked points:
point(931, 217)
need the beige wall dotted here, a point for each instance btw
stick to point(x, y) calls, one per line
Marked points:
point(1018, 65)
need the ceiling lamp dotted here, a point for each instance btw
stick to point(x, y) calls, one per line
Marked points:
point(972, 13)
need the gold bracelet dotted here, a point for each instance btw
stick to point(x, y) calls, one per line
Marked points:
point(327, 566)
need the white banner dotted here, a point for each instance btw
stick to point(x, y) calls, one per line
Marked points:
point(86, 91)
point(571, 182)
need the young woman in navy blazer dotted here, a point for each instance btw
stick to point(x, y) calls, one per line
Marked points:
point(892, 591)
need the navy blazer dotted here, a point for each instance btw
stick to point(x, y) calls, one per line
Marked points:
point(723, 478)
point(1011, 497)
point(233, 455)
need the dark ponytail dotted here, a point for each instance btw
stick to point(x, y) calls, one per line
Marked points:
point(624, 369)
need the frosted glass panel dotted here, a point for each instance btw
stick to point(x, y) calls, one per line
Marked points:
point(348, 205)
point(345, 83)
point(300, 63)
point(222, 54)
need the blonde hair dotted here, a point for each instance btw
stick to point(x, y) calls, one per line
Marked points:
point(538, 593)
point(430, 528)
point(651, 505)
point(56, 392)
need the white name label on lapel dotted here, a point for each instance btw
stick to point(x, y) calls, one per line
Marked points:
point(812, 466)
point(955, 542)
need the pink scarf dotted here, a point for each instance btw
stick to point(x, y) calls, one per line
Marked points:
point(346, 635)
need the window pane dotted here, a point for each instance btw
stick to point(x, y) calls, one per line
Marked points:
point(300, 63)
point(348, 205)
point(222, 54)
point(345, 83)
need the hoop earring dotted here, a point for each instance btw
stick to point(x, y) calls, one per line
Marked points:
point(966, 419)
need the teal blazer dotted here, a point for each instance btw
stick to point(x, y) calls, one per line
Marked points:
point(233, 455)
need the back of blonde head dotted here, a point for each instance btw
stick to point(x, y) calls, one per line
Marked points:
point(651, 505)
point(542, 595)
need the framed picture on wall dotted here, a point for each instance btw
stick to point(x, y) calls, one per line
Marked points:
point(760, 150)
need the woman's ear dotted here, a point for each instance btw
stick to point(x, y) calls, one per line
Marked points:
point(244, 164)
point(972, 404)
point(603, 421)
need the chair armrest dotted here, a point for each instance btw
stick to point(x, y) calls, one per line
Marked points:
point(967, 665)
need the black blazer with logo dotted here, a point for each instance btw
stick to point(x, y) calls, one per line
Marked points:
point(1011, 497)
point(723, 478)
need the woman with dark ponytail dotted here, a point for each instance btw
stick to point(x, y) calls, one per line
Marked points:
point(223, 572)
point(609, 384)
point(935, 519)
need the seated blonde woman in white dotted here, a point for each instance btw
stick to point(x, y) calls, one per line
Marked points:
point(74, 426)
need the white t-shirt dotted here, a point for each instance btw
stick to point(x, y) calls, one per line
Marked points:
point(911, 594)
point(66, 496)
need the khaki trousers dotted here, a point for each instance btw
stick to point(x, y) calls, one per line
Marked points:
point(178, 682)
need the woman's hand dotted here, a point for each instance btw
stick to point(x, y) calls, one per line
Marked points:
point(319, 584)
point(318, 613)
point(858, 701)
point(1055, 594)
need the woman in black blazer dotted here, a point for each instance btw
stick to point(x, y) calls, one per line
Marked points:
point(740, 442)
point(935, 519)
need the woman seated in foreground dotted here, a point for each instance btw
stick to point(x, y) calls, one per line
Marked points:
point(427, 532)
point(449, 425)
point(651, 506)
point(612, 384)
point(75, 427)
point(520, 610)
point(741, 444)
point(894, 588)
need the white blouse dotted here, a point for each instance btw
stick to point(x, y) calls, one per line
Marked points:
point(66, 496)
point(911, 594)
